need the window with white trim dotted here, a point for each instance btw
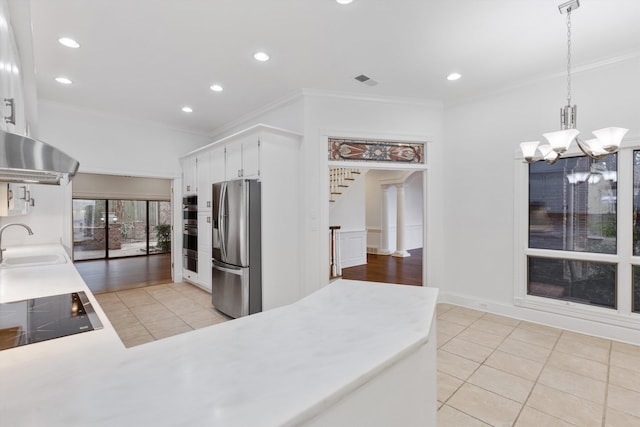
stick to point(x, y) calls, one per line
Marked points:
point(573, 210)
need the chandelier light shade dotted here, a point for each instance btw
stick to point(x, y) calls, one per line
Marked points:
point(548, 154)
point(561, 140)
point(610, 138)
point(606, 140)
point(529, 149)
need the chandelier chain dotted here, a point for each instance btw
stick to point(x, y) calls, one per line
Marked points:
point(569, 56)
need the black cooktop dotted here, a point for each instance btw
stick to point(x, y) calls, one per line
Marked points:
point(45, 318)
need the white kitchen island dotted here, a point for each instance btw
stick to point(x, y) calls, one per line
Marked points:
point(351, 354)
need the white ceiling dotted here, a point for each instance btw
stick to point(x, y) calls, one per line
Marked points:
point(147, 58)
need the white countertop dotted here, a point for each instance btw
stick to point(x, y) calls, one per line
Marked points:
point(276, 368)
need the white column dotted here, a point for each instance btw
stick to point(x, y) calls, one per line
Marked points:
point(385, 228)
point(400, 248)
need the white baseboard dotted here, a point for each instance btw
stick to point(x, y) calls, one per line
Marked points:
point(580, 325)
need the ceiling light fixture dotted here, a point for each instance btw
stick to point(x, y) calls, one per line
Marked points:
point(63, 80)
point(69, 42)
point(261, 56)
point(344, 1)
point(187, 109)
point(216, 88)
point(607, 140)
point(454, 76)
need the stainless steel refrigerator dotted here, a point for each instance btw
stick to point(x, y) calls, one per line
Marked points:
point(236, 248)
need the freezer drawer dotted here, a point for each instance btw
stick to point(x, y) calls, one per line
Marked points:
point(230, 289)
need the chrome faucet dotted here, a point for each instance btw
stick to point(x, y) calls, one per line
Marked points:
point(9, 225)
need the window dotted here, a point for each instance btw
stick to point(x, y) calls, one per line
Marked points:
point(572, 205)
point(583, 282)
point(573, 208)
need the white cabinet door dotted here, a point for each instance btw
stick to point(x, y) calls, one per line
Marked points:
point(204, 249)
point(203, 182)
point(217, 165)
point(233, 161)
point(204, 232)
point(204, 271)
point(251, 159)
point(12, 108)
point(189, 171)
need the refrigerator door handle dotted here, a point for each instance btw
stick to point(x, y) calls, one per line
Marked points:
point(219, 266)
point(221, 223)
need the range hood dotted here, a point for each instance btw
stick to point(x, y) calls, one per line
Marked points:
point(27, 160)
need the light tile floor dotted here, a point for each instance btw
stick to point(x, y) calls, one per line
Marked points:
point(498, 371)
point(147, 314)
point(492, 370)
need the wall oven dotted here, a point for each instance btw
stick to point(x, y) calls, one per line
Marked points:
point(190, 233)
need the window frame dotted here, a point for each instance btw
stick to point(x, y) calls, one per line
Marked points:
point(622, 315)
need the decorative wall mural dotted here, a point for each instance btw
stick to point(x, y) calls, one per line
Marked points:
point(375, 151)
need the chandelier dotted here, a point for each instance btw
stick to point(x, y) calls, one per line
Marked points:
point(606, 140)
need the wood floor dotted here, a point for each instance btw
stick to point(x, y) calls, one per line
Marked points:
point(129, 273)
point(389, 269)
point(125, 273)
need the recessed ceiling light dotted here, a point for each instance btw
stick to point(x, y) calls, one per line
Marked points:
point(187, 109)
point(68, 42)
point(261, 56)
point(454, 76)
point(344, 1)
point(63, 80)
point(216, 88)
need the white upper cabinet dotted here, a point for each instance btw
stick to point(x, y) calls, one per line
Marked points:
point(189, 175)
point(251, 158)
point(203, 183)
point(233, 156)
point(217, 164)
point(12, 107)
point(243, 158)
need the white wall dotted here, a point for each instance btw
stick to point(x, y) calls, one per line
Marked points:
point(482, 137)
point(348, 211)
point(106, 143)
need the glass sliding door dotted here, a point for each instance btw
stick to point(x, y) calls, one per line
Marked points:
point(160, 227)
point(120, 228)
point(128, 231)
point(89, 229)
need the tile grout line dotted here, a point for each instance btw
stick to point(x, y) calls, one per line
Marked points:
point(606, 387)
point(479, 365)
point(535, 383)
point(463, 381)
point(134, 315)
point(160, 302)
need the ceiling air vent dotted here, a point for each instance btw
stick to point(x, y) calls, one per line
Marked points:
point(366, 80)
